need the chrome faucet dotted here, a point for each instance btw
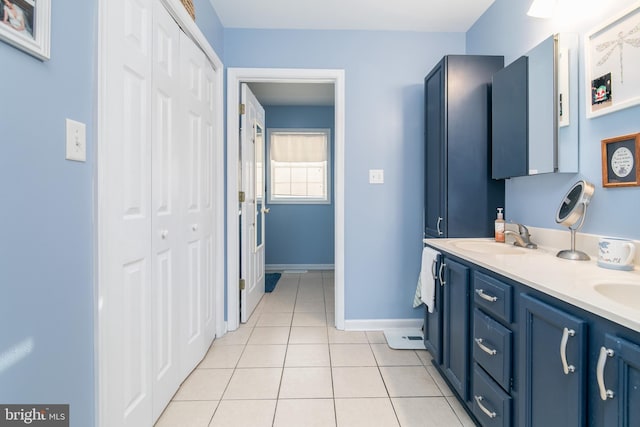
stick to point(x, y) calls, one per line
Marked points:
point(523, 238)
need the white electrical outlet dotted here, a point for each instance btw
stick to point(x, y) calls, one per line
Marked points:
point(76, 141)
point(376, 176)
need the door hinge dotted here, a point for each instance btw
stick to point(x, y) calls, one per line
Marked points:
point(242, 109)
point(242, 284)
point(241, 197)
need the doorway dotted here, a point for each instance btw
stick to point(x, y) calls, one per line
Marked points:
point(235, 77)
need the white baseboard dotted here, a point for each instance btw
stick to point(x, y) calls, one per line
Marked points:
point(282, 267)
point(381, 324)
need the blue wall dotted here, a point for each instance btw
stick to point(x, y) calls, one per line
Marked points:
point(209, 23)
point(384, 130)
point(505, 29)
point(46, 243)
point(300, 234)
point(47, 214)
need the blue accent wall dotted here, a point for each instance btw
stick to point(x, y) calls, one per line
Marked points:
point(384, 130)
point(505, 29)
point(47, 229)
point(299, 233)
point(209, 23)
point(46, 243)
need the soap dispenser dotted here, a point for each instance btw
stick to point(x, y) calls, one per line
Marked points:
point(499, 226)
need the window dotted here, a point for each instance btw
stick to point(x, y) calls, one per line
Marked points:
point(299, 165)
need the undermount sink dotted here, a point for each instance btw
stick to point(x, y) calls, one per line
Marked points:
point(489, 248)
point(627, 294)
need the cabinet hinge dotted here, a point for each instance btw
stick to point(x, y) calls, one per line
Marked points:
point(241, 196)
point(242, 109)
point(242, 284)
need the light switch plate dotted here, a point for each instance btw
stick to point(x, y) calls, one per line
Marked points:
point(76, 141)
point(376, 176)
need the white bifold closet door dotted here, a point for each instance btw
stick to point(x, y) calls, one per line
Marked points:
point(156, 302)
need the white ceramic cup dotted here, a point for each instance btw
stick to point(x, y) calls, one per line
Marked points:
point(615, 253)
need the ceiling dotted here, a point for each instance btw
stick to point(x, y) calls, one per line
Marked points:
point(294, 94)
point(385, 15)
point(374, 15)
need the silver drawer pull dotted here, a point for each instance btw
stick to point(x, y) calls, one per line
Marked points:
point(486, 297)
point(489, 413)
point(602, 362)
point(566, 333)
point(489, 351)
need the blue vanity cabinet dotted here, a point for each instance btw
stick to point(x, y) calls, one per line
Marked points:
point(618, 382)
point(456, 353)
point(457, 148)
point(433, 323)
point(553, 368)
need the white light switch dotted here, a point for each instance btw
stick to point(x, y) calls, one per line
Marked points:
point(76, 141)
point(376, 176)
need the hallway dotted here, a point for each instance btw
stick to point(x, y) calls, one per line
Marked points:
point(289, 366)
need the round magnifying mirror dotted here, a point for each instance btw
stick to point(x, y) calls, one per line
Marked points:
point(572, 210)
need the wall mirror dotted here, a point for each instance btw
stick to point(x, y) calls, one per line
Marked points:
point(535, 111)
point(260, 184)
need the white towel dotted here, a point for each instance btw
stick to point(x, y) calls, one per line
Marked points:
point(426, 288)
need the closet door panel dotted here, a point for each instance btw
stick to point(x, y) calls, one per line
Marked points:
point(165, 243)
point(197, 174)
point(125, 219)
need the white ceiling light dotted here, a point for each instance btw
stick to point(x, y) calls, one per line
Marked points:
point(542, 8)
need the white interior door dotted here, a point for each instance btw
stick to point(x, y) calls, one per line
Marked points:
point(198, 132)
point(126, 219)
point(252, 225)
point(166, 237)
point(156, 302)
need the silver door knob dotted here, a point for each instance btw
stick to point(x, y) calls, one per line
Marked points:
point(194, 227)
point(164, 234)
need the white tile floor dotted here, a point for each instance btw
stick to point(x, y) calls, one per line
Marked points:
point(289, 366)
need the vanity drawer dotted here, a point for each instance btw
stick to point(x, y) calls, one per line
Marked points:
point(491, 405)
point(492, 348)
point(492, 295)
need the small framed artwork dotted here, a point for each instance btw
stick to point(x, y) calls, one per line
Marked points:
point(612, 60)
point(620, 161)
point(25, 24)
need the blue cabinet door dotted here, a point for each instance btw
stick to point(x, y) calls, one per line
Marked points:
point(455, 322)
point(622, 377)
point(552, 366)
point(433, 325)
point(435, 185)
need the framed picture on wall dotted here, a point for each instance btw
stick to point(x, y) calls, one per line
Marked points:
point(25, 24)
point(620, 157)
point(612, 61)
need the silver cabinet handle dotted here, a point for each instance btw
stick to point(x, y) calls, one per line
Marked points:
point(433, 269)
point(441, 274)
point(566, 333)
point(489, 413)
point(489, 351)
point(602, 362)
point(486, 297)
point(440, 233)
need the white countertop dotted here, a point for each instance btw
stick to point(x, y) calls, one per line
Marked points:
point(571, 281)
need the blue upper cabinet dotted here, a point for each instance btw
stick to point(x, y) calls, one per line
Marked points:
point(460, 196)
point(553, 367)
point(510, 122)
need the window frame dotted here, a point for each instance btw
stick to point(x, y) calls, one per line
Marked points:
point(299, 200)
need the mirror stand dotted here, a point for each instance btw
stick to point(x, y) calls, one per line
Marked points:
point(572, 253)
